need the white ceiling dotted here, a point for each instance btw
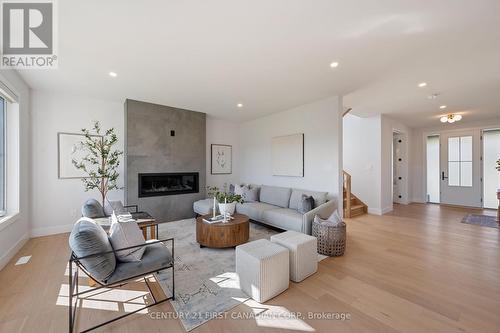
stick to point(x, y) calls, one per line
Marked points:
point(272, 55)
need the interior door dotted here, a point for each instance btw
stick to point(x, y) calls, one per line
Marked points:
point(461, 168)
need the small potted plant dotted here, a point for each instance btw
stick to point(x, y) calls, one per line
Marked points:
point(227, 201)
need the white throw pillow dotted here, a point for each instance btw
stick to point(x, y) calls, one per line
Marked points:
point(239, 189)
point(333, 219)
point(126, 234)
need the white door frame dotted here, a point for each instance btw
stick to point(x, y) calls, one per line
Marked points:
point(427, 133)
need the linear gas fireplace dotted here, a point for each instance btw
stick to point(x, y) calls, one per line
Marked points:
point(158, 184)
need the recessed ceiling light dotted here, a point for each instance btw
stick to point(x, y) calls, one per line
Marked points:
point(240, 105)
point(442, 107)
point(113, 74)
point(334, 64)
point(422, 84)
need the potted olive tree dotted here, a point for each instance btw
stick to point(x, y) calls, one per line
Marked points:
point(101, 160)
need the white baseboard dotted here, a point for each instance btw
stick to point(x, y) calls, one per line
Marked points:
point(47, 231)
point(386, 210)
point(374, 211)
point(4, 260)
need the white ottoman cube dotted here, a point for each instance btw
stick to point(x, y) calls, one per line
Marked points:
point(262, 267)
point(204, 206)
point(303, 253)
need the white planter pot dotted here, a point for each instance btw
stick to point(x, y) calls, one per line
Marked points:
point(227, 208)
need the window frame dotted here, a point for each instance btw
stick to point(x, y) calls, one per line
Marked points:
point(3, 204)
point(460, 162)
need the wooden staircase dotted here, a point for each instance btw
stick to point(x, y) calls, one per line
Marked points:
point(352, 205)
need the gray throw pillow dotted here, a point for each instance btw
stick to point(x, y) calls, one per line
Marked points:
point(86, 238)
point(92, 209)
point(306, 204)
point(114, 206)
point(250, 194)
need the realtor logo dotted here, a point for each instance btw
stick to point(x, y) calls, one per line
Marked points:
point(28, 35)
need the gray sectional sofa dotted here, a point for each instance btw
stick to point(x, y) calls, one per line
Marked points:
point(278, 207)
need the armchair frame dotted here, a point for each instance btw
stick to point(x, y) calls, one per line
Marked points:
point(73, 284)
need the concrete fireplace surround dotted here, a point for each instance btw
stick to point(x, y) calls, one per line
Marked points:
point(163, 139)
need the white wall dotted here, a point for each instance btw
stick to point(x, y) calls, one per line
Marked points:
point(321, 124)
point(227, 133)
point(56, 203)
point(14, 230)
point(362, 147)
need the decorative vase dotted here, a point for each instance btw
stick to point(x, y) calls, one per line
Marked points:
point(227, 208)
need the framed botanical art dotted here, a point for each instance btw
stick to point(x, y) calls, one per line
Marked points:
point(222, 159)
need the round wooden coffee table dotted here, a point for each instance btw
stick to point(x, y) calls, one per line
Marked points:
point(221, 235)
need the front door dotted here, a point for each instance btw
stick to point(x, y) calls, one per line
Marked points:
point(461, 168)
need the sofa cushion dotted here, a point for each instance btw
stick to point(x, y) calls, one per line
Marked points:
point(155, 257)
point(296, 196)
point(92, 209)
point(87, 238)
point(250, 194)
point(253, 210)
point(284, 218)
point(274, 195)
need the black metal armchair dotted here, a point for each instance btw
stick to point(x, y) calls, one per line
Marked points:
point(155, 259)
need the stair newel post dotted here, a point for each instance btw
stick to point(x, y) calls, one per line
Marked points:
point(347, 194)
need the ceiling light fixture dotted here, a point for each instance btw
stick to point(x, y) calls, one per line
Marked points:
point(442, 107)
point(240, 105)
point(422, 84)
point(451, 118)
point(113, 74)
point(334, 64)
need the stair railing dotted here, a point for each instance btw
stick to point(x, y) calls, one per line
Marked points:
point(347, 194)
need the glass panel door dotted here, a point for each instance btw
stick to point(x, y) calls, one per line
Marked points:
point(461, 172)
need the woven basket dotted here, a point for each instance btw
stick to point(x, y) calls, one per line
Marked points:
point(331, 238)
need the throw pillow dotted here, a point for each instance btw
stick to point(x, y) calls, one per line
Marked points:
point(114, 206)
point(86, 238)
point(126, 234)
point(239, 189)
point(306, 204)
point(335, 218)
point(92, 209)
point(250, 194)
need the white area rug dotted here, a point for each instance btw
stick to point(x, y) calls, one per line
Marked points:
point(205, 280)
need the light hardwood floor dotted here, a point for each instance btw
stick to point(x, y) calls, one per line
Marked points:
point(417, 269)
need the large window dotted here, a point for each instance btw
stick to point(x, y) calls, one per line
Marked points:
point(3, 128)
point(460, 161)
